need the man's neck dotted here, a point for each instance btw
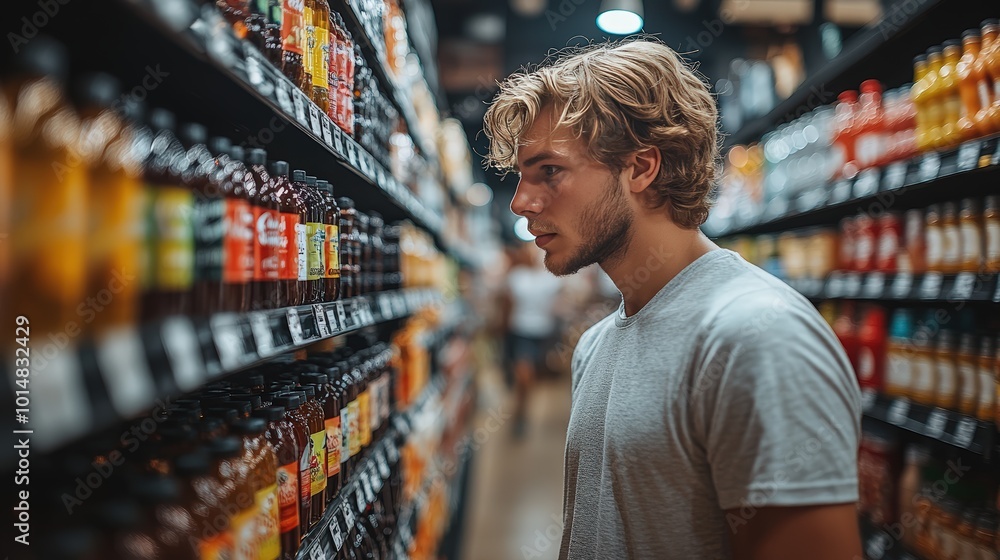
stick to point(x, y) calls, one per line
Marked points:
point(657, 253)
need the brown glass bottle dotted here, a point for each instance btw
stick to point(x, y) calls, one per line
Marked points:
point(165, 518)
point(300, 422)
point(258, 535)
point(320, 44)
point(345, 385)
point(272, 44)
point(280, 433)
point(266, 233)
point(364, 280)
point(376, 233)
point(317, 464)
point(315, 241)
point(348, 245)
point(298, 184)
point(331, 248)
point(291, 219)
point(170, 231)
point(206, 220)
point(331, 422)
point(228, 468)
point(237, 248)
point(293, 32)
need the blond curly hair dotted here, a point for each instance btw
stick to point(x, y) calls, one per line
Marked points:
point(620, 98)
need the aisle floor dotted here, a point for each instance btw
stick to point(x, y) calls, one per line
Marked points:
point(515, 501)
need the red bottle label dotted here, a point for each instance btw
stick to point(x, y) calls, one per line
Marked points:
point(238, 245)
point(267, 226)
point(288, 247)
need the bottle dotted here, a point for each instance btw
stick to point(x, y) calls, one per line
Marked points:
point(267, 234)
point(985, 364)
point(331, 245)
point(934, 239)
point(236, 13)
point(320, 43)
point(845, 253)
point(922, 367)
point(291, 221)
point(303, 200)
point(869, 141)
point(273, 51)
point(347, 395)
point(966, 363)
point(209, 210)
point(871, 349)
point(984, 67)
point(909, 485)
point(364, 256)
point(969, 82)
point(280, 433)
point(864, 243)
point(918, 94)
point(971, 237)
point(964, 536)
point(913, 243)
point(315, 241)
point(115, 196)
point(945, 367)
point(985, 535)
point(991, 234)
point(950, 96)
point(292, 402)
point(317, 462)
point(327, 397)
point(951, 239)
point(348, 238)
point(890, 242)
point(334, 37)
point(238, 224)
point(378, 251)
point(990, 27)
point(48, 262)
point(228, 467)
point(293, 37)
point(264, 539)
point(899, 378)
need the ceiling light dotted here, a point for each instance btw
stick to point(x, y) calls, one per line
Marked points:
point(620, 17)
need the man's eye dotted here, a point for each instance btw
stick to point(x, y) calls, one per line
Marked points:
point(549, 170)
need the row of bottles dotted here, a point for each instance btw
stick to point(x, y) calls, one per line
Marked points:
point(244, 468)
point(929, 356)
point(929, 503)
point(312, 47)
point(115, 215)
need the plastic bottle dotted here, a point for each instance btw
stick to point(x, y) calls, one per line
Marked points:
point(871, 349)
point(315, 241)
point(298, 185)
point(909, 486)
point(985, 364)
point(319, 37)
point(966, 361)
point(969, 84)
point(991, 234)
point(348, 241)
point(238, 246)
point(292, 220)
point(267, 234)
point(930, 96)
point(899, 377)
point(890, 242)
point(300, 422)
point(951, 238)
point(293, 37)
point(991, 30)
point(327, 397)
point(317, 462)
point(331, 248)
point(864, 243)
point(971, 236)
point(925, 382)
point(947, 374)
point(280, 434)
point(870, 137)
point(209, 210)
point(918, 95)
point(934, 239)
point(949, 93)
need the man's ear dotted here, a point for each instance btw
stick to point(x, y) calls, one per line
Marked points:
point(641, 168)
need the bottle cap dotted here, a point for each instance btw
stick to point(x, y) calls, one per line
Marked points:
point(228, 415)
point(271, 413)
point(193, 464)
point(250, 426)
point(192, 134)
point(98, 89)
point(290, 401)
point(311, 180)
point(43, 56)
point(219, 145)
point(279, 168)
point(345, 202)
point(257, 156)
point(970, 33)
point(237, 153)
point(225, 447)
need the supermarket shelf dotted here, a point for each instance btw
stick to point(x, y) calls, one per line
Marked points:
point(376, 56)
point(970, 170)
point(97, 385)
point(878, 544)
point(952, 428)
point(903, 286)
point(883, 50)
point(365, 482)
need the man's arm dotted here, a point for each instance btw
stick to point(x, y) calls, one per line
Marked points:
point(824, 532)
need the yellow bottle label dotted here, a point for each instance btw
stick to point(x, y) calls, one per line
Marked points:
point(309, 37)
point(173, 238)
point(268, 524)
point(320, 39)
point(315, 250)
point(364, 401)
point(244, 526)
point(354, 436)
point(317, 463)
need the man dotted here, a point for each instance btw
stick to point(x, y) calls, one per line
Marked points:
point(715, 415)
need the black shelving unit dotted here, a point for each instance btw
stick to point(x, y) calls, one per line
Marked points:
point(946, 426)
point(91, 387)
point(972, 169)
point(883, 50)
point(932, 287)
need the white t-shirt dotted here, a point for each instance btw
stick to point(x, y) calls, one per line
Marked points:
point(534, 292)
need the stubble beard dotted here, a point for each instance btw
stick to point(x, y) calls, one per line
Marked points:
point(606, 229)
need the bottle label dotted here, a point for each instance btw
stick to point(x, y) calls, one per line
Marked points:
point(316, 235)
point(317, 463)
point(321, 58)
point(172, 232)
point(946, 382)
point(898, 377)
point(333, 442)
point(971, 246)
point(268, 533)
point(238, 245)
point(288, 496)
point(292, 25)
point(209, 233)
point(354, 415)
point(305, 475)
point(301, 240)
point(935, 246)
point(993, 241)
point(219, 547)
point(923, 376)
point(951, 250)
point(244, 528)
point(345, 434)
point(288, 247)
point(267, 239)
point(967, 378)
point(364, 424)
point(308, 45)
point(988, 389)
point(332, 249)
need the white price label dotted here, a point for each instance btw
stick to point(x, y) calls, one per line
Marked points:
point(341, 315)
point(299, 101)
point(936, 422)
point(321, 324)
point(965, 432)
point(338, 141)
point(331, 318)
point(930, 288)
point(359, 496)
point(381, 178)
point(383, 467)
point(902, 285)
point(122, 360)
point(295, 326)
point(229, 342)
point(314, 122)
point(385, 306)
point(391, 451)
point(930, 165)
point(895, 176)
point(835, 285)
point(262, 335)
point(349, 518)
point(867, 183)
point(874, 285)
point(336, 533)
point(327, 135)
point(965, 283)
point(355, 313)
point(283, 93)
point(841, 191)
point(852, 284)
point(968, 155)
point(899, 412)
point(183, 352)
point(316, 552)
point(352, 154)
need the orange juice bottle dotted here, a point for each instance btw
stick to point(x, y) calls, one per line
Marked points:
point(951, 101)
point(931, 96)
point(918, 95)
point(987, 92)
point(969, 83)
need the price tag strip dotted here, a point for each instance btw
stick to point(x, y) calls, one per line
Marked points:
point(262, 335)
point(899, 412)
point(122, 361)
point(315, 123)
point(894, 177)
point(930, 165)
point(331, 318)
point(338, 141)
point(180, 341)
point(902, 285)
point(965, 284)
point(867, 183)
point(968, 155)
point(965, 432)
point(874, 285)
point(229, 342)
point(336, 533)
point(321, 325)
point(936, 422)
point(327, 134)
point(299, 102)
point(930, 288)
point(342, 316)
point(295, 326)
point(852, 284)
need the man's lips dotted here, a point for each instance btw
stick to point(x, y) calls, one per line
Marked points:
point(544, 239)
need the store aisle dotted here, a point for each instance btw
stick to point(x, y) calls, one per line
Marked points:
point(515, 505)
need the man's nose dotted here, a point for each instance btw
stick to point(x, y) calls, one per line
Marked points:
point(526, 200)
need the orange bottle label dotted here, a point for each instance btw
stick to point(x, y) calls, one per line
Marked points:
point(237, 256)
point(288, 496)
point(219, 547)
point(267, 543)
point(288, 246)
point(332, 247)
point(292, 25)
point(266, 238)
point(333, 442)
